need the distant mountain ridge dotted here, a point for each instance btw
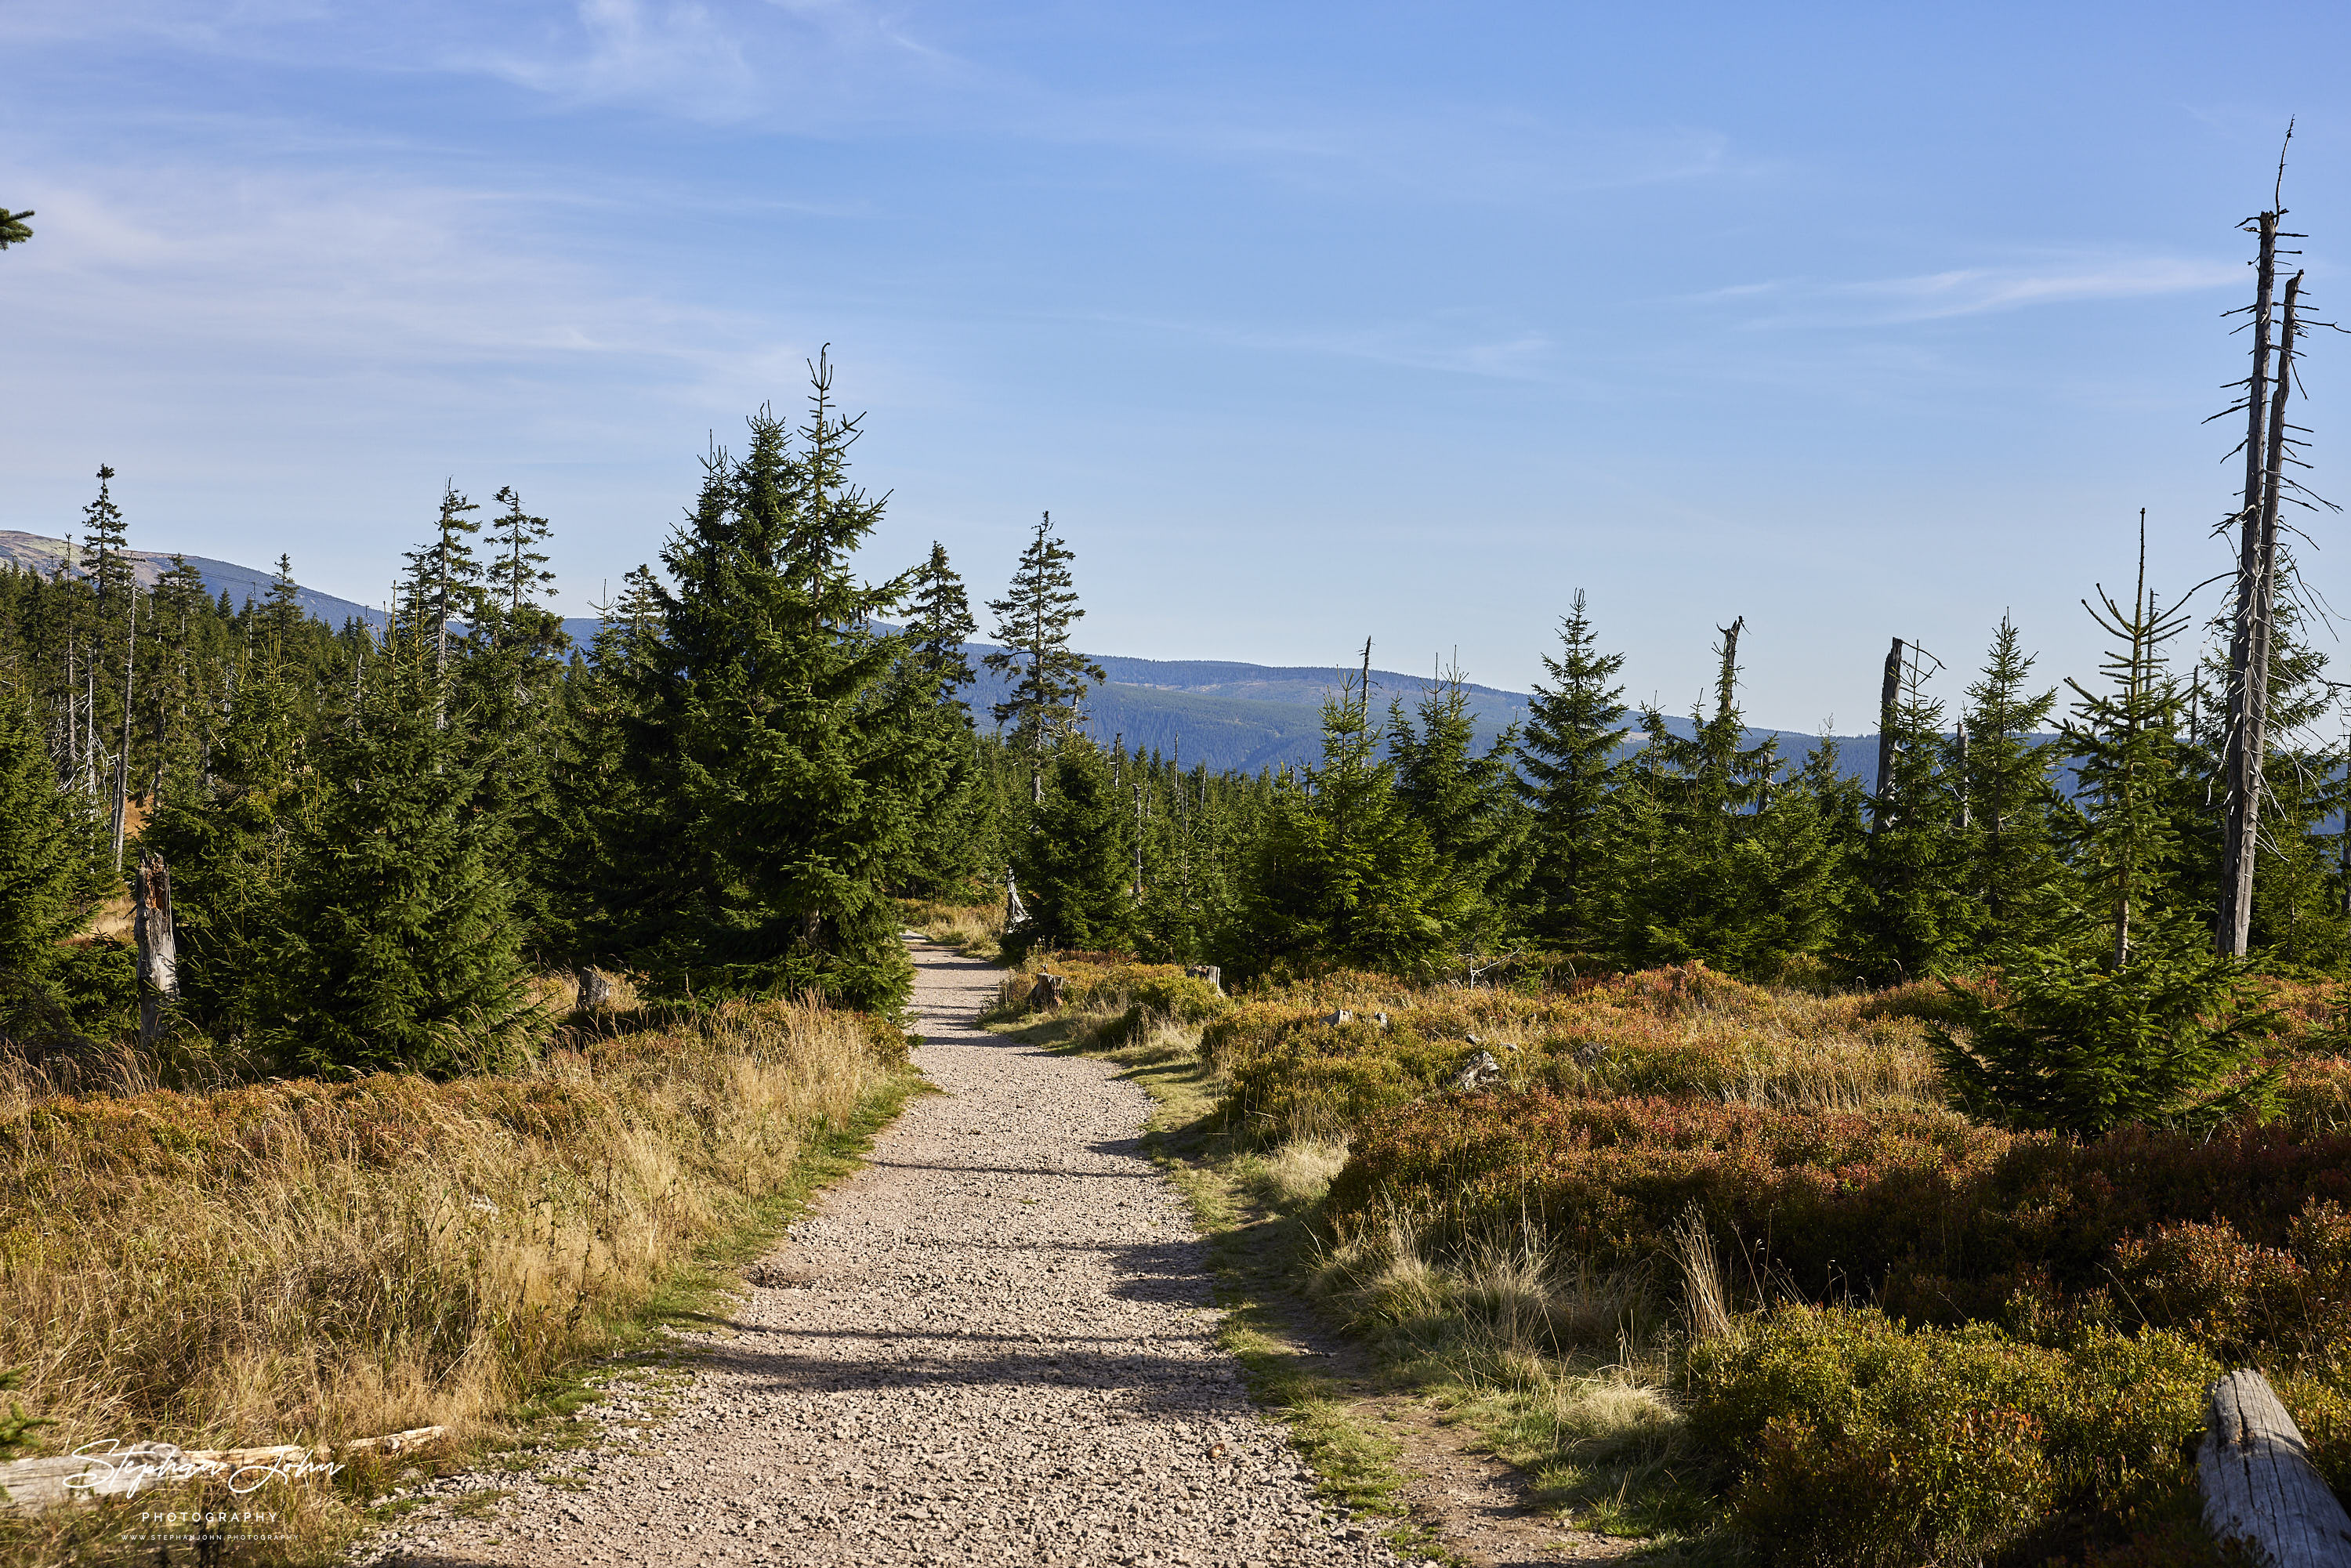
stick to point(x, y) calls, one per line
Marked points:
point(243, 584)
point(1226, 714)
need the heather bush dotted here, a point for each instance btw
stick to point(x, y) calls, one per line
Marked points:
point(1855, 1440)
point(1940, 1218)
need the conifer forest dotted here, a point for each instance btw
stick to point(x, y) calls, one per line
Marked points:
point(1765, 1164)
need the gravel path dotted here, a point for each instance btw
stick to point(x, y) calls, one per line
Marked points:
point(994, 1344)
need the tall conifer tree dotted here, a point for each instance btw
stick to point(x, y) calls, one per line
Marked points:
point(960, 842)
point(942, 625)
point(1913, 865)
point(1465, 802)
point(2124, 744)
point(1568, 771)
point(48, 882)
point(788, 757)
point(1344, 872)
point(399, 948)
point(1049, 679)
point(1702, 895)
point(1072, 865)
point(2013, 881)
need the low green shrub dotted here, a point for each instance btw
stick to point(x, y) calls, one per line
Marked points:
point(1856, 1441)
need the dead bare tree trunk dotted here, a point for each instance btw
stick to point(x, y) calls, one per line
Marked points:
point(89, 722)
point(1730, 664)
point(2240, 802)
point(1889, 701)
point(2257, 663)
point(123, 759)
point(1959, 753)
point(159, 947)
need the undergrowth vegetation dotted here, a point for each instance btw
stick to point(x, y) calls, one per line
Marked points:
point(1730, 1265)
point(311, 1261)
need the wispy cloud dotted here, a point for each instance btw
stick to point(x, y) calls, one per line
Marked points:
point(676, 53)
point(1968, 291)
point(791, 65)
point(181, 283)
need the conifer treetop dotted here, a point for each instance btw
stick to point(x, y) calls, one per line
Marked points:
point(1033, 623)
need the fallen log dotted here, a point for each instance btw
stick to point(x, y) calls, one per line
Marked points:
point(2259, 1486)
point(110, 1469)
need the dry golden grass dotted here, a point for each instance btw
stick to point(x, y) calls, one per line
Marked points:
point(309, 1261)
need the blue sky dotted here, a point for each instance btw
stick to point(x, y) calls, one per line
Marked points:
point(1309, 322)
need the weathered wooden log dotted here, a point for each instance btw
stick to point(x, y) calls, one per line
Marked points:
point(159, 947)
point(1216, 975)
point(595, 987)
point(1050, 991)
point(111, 1469)
point(2259, 1486)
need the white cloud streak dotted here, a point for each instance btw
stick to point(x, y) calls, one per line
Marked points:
point(1970, 291)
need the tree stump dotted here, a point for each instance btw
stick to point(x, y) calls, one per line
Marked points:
point(2259, 1485)
point(159, 947)
point(1208, 972)
point(595, 988)
point(1481, 1072)
point(1050, 991)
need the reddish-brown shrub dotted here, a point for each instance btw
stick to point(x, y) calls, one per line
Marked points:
point(1939, 1218)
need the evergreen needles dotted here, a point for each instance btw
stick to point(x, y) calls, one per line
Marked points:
point(2081, 1047)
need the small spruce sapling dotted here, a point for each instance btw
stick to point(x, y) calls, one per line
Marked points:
point(2081, 1047)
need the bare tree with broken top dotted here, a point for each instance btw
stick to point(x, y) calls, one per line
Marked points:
point(2268, 448)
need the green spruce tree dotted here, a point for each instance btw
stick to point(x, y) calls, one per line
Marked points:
point(1702, 892)
point(224, 825)
point(1049, 679)
point(961, 843)
point(2012, 883)
point(1568, 773)
point(1074, 863)
point(2124, 744)
point(942, 626)
point(1914, 919)
point(1344, 873)
point(398, 949)
point(49, 882)
point(787, 760)
point(1467, 804)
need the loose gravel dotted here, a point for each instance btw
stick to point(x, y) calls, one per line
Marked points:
point(994, 1344)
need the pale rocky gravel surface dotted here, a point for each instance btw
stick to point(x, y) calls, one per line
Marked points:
point(996, 1344)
